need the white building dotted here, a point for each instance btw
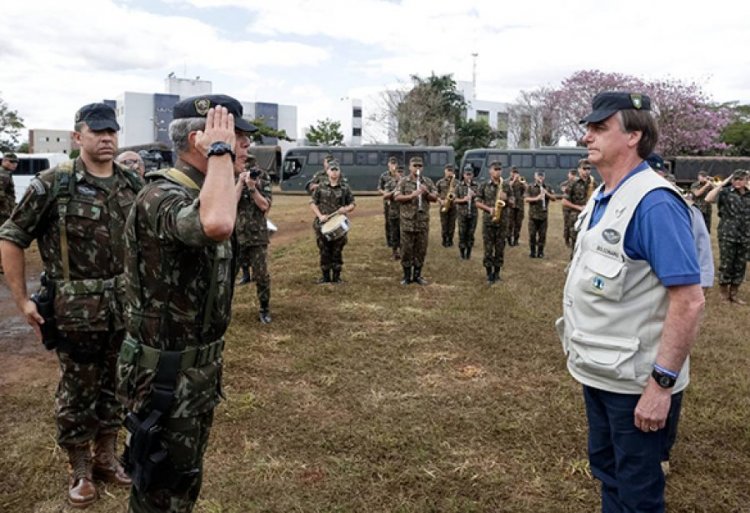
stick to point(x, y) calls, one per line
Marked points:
point(50, 141)
point(496, 114)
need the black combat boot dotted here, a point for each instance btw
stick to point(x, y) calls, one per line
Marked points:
point(264, 314)
point(326, 277)
point(336, 278)
point(490, 275)
point(418, 276)
point(468, 253)
point(540, 251)
point(245, 275)
point(450, 241)
point(463, 253)
point(407, 276)
point(496, 273)
point(532, 250)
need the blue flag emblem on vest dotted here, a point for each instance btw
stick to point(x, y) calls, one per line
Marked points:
point(611, 236)
point(598, 283)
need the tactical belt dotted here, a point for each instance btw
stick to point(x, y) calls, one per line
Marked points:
point(148, 357)
point(87, 286)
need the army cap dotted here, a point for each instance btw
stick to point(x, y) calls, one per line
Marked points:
point(197, 107)
point(468, 168)
point(334, 164)
point(10, 156)
point(98, 116)
point(514, 169)
point(449, 167)
point(607, 103)
point(392, 160)
point(496, 165)
point(417, 161)
point(740, 174)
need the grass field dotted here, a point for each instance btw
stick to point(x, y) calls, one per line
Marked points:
point(375, 397)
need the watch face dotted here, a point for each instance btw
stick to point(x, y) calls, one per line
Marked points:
point(665, 381)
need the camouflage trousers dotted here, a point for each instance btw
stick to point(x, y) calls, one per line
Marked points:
point(567, 225)
point(515, 220)
point(331, 252)
point(537, 232)
point(394, 232)
point(448, 223)
point(85, 403)
point(388, 225)
point(186, 440)
point(466, 228)
point(494, 243)
point(732, 262)
point(256, 257)
point(414, 247)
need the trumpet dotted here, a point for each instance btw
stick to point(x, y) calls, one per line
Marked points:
point(716, 180)
point(499, 203)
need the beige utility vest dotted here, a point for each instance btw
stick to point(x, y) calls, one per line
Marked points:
point(613, 306)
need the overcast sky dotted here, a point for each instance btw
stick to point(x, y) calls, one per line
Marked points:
point(58, 55)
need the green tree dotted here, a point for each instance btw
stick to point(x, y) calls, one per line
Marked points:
point(10, 127)
point(265, 131)
point(737, 133)
point(473, 134)
point(430, 112)
point(325, 133)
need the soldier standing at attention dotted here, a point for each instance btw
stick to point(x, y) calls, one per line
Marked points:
point(495, 221)
point(179, 272)
point(7, 189)
point(252, 234)
point(382, 182)
point(331, 197)
point(567, 211)
point(394, 211)
point(538, 196)
point(445, 186)
point(515, 212)
point(415, 193)
point(700, 189)
point(733, 200)
point(466, 191)
point(578, 195)
point(77, 212)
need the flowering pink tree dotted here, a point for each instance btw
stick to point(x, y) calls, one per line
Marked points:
point(689, 122)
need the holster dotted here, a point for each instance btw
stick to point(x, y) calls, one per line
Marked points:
point(44, 300)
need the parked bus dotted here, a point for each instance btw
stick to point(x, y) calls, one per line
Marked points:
point(685, 169)
point(360, 165)
point(555, 162)
point(268, 158)
point(29, 164)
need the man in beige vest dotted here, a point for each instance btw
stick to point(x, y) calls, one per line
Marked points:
point(632, 305)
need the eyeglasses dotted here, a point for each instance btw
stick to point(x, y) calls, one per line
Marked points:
point(12, 161)
point(129, 162)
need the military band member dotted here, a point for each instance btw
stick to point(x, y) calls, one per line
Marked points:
point(490, 196)
point(578, 195)
point(515, 213)
point(319, 176)
point(333, 196)
point(77, 212)
point(415, 193)
point(394, 212)
point(466, 192)
point(733, 200)
point(445, 186)
point(567, 211)
point(538, 196)
point(386, 177)
point(699, 190)
point(252, 233)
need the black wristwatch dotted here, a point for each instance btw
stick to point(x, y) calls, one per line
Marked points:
point(220, 148)
point(662, 379)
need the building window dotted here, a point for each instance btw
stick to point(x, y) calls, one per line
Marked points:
point(483, 115)
point(356, 131)
point(357, 112)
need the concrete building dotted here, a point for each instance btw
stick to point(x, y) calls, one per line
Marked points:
point(50, 141)
point(496, 114)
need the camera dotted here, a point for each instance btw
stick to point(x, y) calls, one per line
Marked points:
point(254, 173)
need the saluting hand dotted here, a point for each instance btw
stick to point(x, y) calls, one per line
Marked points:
point(219, 128)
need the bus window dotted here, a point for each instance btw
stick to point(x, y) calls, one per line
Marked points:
point(438, 159)
point(367, 158)
point(569, 161)
point(292, 167)
point(522, 160)
point(347, 158)
point(545, 161)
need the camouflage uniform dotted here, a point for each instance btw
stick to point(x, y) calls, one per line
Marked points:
point(734, 235)
point(578, 194)
point(515, 212)
point(86, 305)
point(7, 194)
point(382, 182)
point(179, 287)
point(567, 213)
point(252, 238)
point(394, 216)
point(329, 199)
point(494, 234)
point(701, 204)
point(467, 218)
point(447, 219)
point(538, 213)
point(318, 178)
point(415, 223)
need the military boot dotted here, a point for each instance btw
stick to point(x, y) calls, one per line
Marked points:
point(396, 255)
point(325, 277)
point(81, 489)
point(418, 276)
point(724, 291)
point(106, 466)
point(245, 275)
point(496, 273)
point(540, 251)
point(407, 276)
point(463, 253)
point(532, 250)
point(490, 276)
point(336, 276)
point(264, 314)
point(733, 297)
point(468, 253)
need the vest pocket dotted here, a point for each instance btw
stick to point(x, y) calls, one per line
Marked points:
point(602, 356)
point(603, 276)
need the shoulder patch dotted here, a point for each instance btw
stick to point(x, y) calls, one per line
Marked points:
point(38, 187)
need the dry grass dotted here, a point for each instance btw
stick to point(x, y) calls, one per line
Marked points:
point(373, 397)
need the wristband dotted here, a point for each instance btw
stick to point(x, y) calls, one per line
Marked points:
point(662, 370)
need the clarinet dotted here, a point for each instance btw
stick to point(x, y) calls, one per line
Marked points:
point(419, 186)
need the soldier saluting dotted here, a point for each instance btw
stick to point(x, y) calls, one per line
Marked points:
point(77, 212)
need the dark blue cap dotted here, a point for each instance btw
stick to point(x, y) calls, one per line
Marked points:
point(609, 102)
point(656, 162)
point(98, 116)
point(197, 107)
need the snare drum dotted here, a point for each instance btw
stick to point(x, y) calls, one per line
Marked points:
point(335, 228)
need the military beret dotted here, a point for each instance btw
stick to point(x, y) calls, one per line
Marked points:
point(98, 116)
point(197, 107)
point(607, 103)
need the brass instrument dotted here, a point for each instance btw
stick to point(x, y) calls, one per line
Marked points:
point(590, 188)
point(543, 192)
point(499, 203)
point(716, 181)
point(419, 186)
point(450, 196)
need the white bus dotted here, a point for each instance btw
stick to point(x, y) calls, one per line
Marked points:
point(29, 164)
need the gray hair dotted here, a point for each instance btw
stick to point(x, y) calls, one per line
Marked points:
point(179, 129)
